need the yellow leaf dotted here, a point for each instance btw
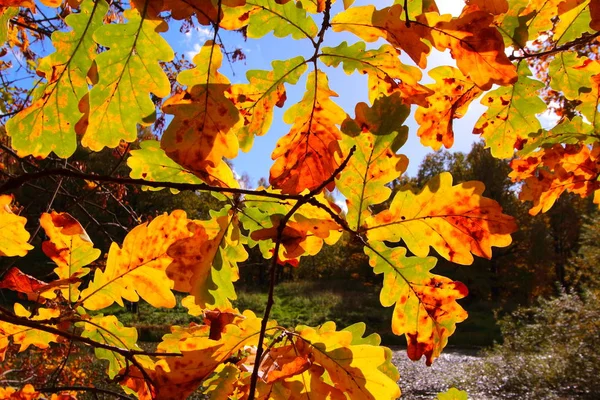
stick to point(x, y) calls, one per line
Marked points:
point(457, 221)
point(138, 268)
point(13, 236)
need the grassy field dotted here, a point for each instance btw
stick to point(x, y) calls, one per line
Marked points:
point(312, 303)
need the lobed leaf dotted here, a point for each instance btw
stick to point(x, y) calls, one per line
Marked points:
point(139, 267)
point(457, 221)
point(128, 73)
point(48, 123)
point(511, 114)
point(309, 154)
point(203, 128)
point(386, 73)
point(377, 133)
point(70, 247)
point(452, 95)
point(255, 100)
point(13, 236)
point(425, 311)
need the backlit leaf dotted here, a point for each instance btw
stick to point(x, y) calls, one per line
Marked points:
point(511, 114)
point(138, 268)
point(205, 264)
point(548, 173)
point(452, 95)
point(202, 131)
point(477, 47)
point(425, 309)
point(129, 72)
point(309, 154)
point(387, 75)
point(70, 247)
point(48, 124)
point(377, 133)
point(25, 336)
point(282, 20)
point(370, 25)
point(151, 163)
point(255, 100)
point(570, 74)
point(457, 221)
point(108, 330)
point(13, 236)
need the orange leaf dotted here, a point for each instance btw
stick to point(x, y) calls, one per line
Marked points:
point(452, 95)
point(550, 172)
point(309, 154)
point(477, 47)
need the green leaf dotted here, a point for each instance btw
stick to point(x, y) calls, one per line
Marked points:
point(8, 13)
point(280, 19)
point(48, 124)
point(570, 74)
point(110, 331)
point(151, 163)
point(453, 394)
point(511, 114)
point(129, 72)
point(377, 133)
point(574, 21)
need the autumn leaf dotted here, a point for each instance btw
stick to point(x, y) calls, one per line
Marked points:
point(177, 377)
point(205, 264)
point(48, 124)
point(304, 234)
point(110, 331)
point(370, 25)
point(570, 74)
point(280, 18)
point(255, 100)
point(151, 163)
point(138, 269)
point(550, 172)
point(511, 114)
point(452, 95)
point(590, 100)
point(494, 7)
point(129, 72)
point(386, 73)
point(25, 336)
point(425, 309)
point(70, 247)
point(13, 236)
point(353, 369)
point(202, 131)
point(309, 154)
point(377, 133)
point(476, 45)
point(457, 221)
point(453, 394)
point(573, 21)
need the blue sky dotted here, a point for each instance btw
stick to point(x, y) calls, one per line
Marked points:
point(351, 89)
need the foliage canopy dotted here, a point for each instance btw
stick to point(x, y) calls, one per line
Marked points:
point(113, 73)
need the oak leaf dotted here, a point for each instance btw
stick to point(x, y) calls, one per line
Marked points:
point(309, 154)
point(48, 123)
point(202, 131)
point(129, 72)
point(13, 236)
point(452, 95)
point(138, 269)
point(425, 309)
point(70, 247)
point(377, 132)
point(456, 221)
